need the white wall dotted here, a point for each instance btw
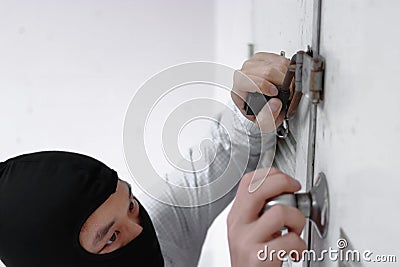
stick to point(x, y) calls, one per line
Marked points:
point(68, 69)
point(233, 34)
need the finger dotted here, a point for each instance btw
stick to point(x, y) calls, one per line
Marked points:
point(272, 73)
point(259, 177)
point(274, 219)
point(250, 83)
point(281, 67)
point(250, 65)
point(266, 118)
point(271, 58)
point(248, 179)
point(265, 86)
point(238, 99)
point(276, 183)
point(269, 117)
point(290, 243)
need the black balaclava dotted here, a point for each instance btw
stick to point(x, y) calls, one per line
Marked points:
point(46, 197)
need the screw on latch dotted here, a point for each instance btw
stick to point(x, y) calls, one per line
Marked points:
point(314, 204)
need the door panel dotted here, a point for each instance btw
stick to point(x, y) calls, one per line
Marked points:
point(357, 124)
point(358, 127)
point(287, 25)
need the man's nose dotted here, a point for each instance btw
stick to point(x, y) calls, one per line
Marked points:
point(132, 226)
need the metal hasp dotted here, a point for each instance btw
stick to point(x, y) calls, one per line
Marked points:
point(313, 77)
point(308, 73)
point(313, 204)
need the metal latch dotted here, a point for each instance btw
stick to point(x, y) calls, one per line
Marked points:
point(307, 72)
point(314, 204)
point(313, 77)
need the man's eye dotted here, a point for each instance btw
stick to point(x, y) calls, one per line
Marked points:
point(113, 238)
point(132, 205)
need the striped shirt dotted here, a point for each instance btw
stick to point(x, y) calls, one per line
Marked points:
point(182, 230)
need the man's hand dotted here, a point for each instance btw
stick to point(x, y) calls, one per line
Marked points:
point(248, 232)
point(261, 73)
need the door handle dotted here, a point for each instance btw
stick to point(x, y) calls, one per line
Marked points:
point(313, 204)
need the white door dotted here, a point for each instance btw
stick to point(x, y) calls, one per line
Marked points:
point(358, 128)
point(287, 26)
point(357, 125)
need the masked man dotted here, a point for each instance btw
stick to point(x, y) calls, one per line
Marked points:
point(67, 209)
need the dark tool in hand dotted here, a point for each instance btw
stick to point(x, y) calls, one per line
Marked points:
point(256, 101)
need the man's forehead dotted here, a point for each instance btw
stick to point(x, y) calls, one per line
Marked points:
point(102, 232)
point(127, 184)
point(100, 224)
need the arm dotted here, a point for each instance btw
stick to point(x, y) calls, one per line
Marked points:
point(235, 152)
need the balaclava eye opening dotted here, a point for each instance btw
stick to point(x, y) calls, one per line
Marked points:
point(46, 197)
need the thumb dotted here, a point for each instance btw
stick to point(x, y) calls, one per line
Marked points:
point(266, 118)
point(275, 105)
